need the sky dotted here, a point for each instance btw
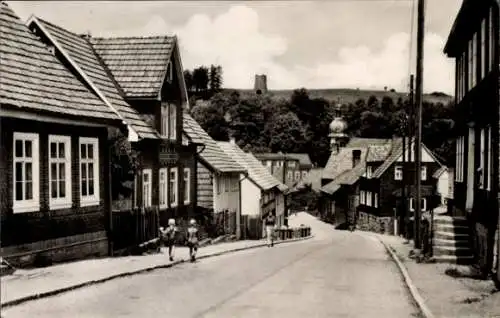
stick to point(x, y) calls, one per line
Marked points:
point(361, 44)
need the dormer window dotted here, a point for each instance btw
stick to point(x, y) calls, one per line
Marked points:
point(356, 157)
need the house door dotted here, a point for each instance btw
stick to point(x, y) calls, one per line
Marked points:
point(470, 171)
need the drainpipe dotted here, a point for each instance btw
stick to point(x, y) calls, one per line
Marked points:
point(238, 216)
point(110, 211)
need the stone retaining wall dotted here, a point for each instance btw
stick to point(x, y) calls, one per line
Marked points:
point(372, 223)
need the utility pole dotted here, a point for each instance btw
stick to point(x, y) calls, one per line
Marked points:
point(408, 131)
point(418, 100)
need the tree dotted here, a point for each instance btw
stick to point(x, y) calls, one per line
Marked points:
point(215, 78)
point(200, 79)
point(188, 79)
point(212, 120)
point(287, 133)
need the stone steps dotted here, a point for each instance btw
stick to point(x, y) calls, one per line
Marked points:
point(451, 240)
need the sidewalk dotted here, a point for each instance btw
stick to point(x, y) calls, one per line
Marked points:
point(447, 296)
point(25, 285)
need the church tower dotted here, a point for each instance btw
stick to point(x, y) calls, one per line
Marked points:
point(260, 85)
point(338, 137)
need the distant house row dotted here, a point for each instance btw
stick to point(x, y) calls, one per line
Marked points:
point(65, 99)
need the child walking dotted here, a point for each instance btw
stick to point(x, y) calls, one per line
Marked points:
point(192, 239)
point(168, 237)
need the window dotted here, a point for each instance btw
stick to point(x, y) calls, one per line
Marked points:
point(492, 41)
point(59, 171)
point(472, 61)
point(369, 198)
point(168, 121)
point(423, 174)
point(463, 75)
point(173, 186)
point(423, 204)
point(89, 173)
point(369, 171)
point(25, 166)
point(459, 160)
point(362, 197)
point(170, 72)
point(187, 185)
point(227, 184)
point(290, 175)
point(163, 187)
point(375, 200)
point(269, 163)
point(291, 164)
point(297, 175)
point(219, 184)
point(398, 173)
point(304, 175)
point(482, 158)
point(146, 188)
point(172, 125)
point(490, 161)
point(235, 185)
point(484, 63)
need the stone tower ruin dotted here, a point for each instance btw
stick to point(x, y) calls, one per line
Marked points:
point(260, 86)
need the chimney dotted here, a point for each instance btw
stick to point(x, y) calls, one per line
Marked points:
point(356, 157)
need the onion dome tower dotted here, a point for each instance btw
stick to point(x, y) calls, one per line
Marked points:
point(338, 137)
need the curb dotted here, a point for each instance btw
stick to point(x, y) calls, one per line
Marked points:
point(139, 271)
point(408, 281)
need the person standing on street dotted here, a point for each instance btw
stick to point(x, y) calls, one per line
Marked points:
point(270, 222)
point(192, 239)
point(168, 236)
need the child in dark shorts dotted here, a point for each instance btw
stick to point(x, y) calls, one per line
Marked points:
point(168, 237)
point(192, 239)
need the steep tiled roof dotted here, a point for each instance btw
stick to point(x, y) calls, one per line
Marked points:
point(213, 155)
point(82, 53)
point(439, 172)
point(348, 177)
point(256, 171)
point(342, 161)
point(137, 63)
point(396, 152)
point(274, 156)
point(31, 78)
point(303, 158)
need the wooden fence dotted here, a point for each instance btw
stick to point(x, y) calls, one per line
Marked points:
point(134, 226)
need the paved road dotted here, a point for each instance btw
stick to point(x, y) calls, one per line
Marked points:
point(340, 275)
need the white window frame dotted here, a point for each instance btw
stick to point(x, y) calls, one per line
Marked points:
point(375, 200)
point(362, 198)
point(187, 185)
point(423, 173)
point(147, 188)
point(34, 203)
point(163, 187)
point(58, 202)
point(297, 175)
point(291, 164)
point(491, 40)
point(369, 172)
point(369, 198)
point(412, 207)
point(483, 49)
point(423, 204)
point(459, 165)
point(164, 120)
point(89, 200)
point(172, 123)
point(218, 184)
point(170, 72)
point(398, 173)
point(482, 154)
point(174, 195)
point(304, 175)
point(290, 175)
point(489, 177)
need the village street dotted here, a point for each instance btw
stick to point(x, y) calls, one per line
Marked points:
point(335, 274)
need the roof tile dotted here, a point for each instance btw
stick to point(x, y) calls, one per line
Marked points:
point(212, 154)
point(256, 171)
point(82, 53)
point(32, 78)
point(137, 63)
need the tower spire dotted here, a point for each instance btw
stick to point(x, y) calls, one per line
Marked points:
point(338, 126)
